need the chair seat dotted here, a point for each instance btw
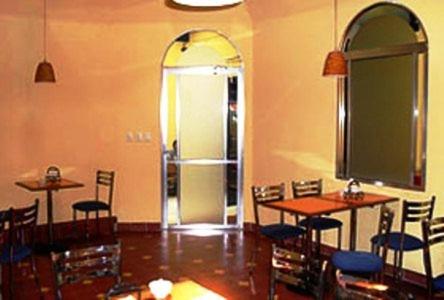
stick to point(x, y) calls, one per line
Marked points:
point(410, 242)
point(357, 262)
point(20, 253)
point(281, 231)
point(322, 223)
point(90, 205)
point(438, 283)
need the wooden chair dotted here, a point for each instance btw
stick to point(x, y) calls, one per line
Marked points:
point(354, 288)
point(277, 232)
point(433, 234)
point(19, 243)
point(319, 224)
point(400, 241)
point(368, 263)
point(291, 268)
point(104, 181)
point(89, 263)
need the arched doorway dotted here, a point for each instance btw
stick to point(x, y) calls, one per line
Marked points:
point(202, 121)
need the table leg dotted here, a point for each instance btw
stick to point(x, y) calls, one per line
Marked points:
point(49, 216)
point(353, 228)
point(308, 242)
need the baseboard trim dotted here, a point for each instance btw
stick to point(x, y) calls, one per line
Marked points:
point(70, 229)
point(140, 227)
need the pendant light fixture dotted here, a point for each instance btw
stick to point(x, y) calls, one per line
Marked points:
point(45, 71)
point(207, 3)
point(335, 64)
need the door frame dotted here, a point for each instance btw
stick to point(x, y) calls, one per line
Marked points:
point(203, 70)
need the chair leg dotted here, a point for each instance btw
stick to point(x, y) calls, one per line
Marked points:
point(111, 224)
point(252, 264)
point(339, 238)
point(272, 287)
point(74, 223)
point(400, 273)
point(318, 244)
point(36, 276)
point(11, 281)
point(97, 223)
point(86, 224)
point(395, 264)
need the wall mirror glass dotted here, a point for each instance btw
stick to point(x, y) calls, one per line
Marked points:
point(382, 103)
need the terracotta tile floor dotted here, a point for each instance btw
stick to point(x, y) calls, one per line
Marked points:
point(218, 262)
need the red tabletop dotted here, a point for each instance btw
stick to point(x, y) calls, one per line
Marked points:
point(308, 206)
point(312, 206)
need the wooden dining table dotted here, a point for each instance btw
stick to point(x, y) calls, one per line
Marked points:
point(312, 206)
point(49, 187)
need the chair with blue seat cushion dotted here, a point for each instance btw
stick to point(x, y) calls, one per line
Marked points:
point(277, 232)
point(321, 223)
point(433, 235)
point(19, 243)
point(104, 184)
point(400, 241)
point(367, 263)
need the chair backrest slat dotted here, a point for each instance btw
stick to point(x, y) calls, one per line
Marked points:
point(87, 263)
point(23, 224)
point(432, 234)
point(5, 218)
point(384, 228)
point(105, 182)
point(290, 267)
point(306, 188)
point(264, 194)
point(415, 211)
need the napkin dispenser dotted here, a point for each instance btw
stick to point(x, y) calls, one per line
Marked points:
point(353, 190)
point(53, 174)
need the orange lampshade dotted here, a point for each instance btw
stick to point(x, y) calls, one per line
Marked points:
point(335, 64)
point(44, 72)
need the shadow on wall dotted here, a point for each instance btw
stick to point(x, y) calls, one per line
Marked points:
point(318, 165)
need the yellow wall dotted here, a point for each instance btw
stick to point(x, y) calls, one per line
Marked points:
point(107, 56)
point(294, 112)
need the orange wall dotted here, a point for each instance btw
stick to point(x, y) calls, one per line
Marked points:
point(294, 112)
point(107, 57)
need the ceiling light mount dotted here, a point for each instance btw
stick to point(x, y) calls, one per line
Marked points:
point(207, 3)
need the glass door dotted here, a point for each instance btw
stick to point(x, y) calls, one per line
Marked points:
point(201, 159)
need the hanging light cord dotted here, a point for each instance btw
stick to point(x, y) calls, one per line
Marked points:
point(335, 3)
point(44, 30)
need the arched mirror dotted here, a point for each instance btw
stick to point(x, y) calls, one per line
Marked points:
point(202, 132)
point(382, 107)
